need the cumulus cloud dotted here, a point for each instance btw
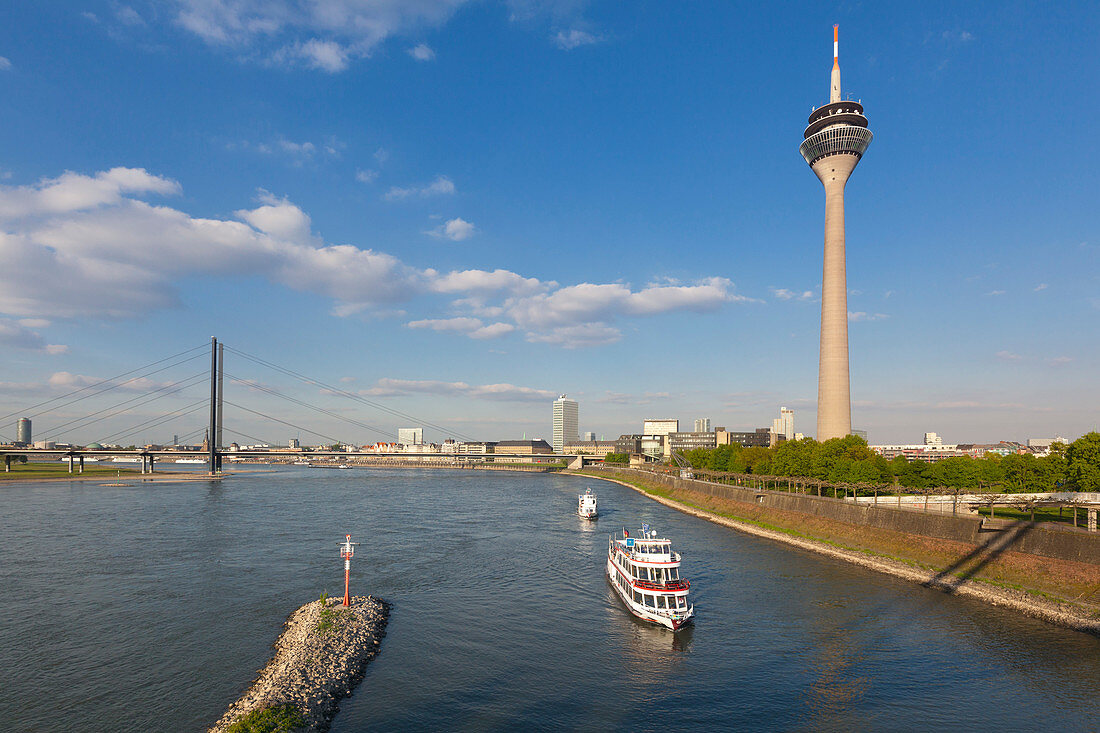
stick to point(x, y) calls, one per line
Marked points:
point(475, 328)
point(454, 229)
point(574, 38)
point(441, 186)
point(503, 392)
point(422, 52)
point(5, 63)
point(366, 176)
point(784, 294)
point(18, 335)
point(325, 35)
point(88, 246)
point(1008, 356)
point(864, 316)
point(1040, 286)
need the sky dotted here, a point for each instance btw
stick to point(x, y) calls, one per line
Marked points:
point(457, 210)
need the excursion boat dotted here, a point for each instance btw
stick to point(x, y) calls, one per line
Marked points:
point(645, 573)
point(586, 505)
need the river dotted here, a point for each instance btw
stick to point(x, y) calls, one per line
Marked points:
point(150, 607)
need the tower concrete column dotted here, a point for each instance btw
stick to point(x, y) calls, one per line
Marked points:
point(834, 142)
point(834, 405)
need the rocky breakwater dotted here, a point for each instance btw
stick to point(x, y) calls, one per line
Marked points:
point(319, 658)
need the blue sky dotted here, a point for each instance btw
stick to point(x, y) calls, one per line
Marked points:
point(461, 209)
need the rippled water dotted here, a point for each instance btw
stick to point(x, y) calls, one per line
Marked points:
point(151, 607)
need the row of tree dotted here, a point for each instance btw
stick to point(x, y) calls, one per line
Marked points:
point(1075, 467)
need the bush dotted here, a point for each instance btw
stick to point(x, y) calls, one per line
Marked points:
point(278, 719)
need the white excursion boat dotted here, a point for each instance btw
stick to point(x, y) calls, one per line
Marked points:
point(645, 573)
point(586, 505)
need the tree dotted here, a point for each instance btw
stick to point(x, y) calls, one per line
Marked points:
point(1083, 462)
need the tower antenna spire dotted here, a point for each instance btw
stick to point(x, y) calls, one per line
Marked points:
point(834, 86)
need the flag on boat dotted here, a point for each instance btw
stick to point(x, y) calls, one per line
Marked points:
point(645, 529)
point(625, 533)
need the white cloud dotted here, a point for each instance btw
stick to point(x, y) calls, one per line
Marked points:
point(128, 16)
point(441, 186)
point(573, 38)
point(1040, 286)
point(455, 229)
point(1060, 361)
point(472, 327)
point(864, 316)
point(5, 63)
point(576, 337)
point(324, 34)
point(422, 52)
point(996, 292)
point(18, 335)
point(368, 176)
point(1008, 356)
point(784, 294)
point(85, 247)
point(497, 392)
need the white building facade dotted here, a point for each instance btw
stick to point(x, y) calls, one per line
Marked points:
point(566, 413)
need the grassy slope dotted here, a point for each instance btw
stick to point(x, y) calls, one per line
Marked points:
point(22, 471)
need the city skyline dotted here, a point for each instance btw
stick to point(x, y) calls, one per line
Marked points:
point(481, 207)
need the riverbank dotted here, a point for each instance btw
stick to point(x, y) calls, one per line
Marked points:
point(115, 476)
point(319, 659)
point(1057, 591)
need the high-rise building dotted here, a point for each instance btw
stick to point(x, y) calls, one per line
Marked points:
point(565, 422)
point(783, 426)
point(660, 426)
point(23, 431)
point(932, 439)
point(702, 425)
point(410, 436)
point(294, 443)
point(835, 139)
point(590, 435)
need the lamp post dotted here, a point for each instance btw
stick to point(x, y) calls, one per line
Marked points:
point(347, 551)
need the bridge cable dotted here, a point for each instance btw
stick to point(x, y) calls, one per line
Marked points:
point(296, 401)
point(349, 395)
point(25, 410)
point(97, 417)
point(156, 421)
point(284, 422)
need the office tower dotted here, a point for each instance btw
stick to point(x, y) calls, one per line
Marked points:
point(702, 425)
point(835, 140)
point(23, 431)
point(565, 422)
point(410, 436)
point(783, 426)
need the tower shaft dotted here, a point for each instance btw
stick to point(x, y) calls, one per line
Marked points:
point(834, 405)
point(834, 141)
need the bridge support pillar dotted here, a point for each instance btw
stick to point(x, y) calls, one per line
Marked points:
point(81, 464)
point(143, 465)
point(1092, 520)
point(152, 459)
point(7, 464)
point(70, 463)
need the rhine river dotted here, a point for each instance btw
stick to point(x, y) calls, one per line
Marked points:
point(151, 607)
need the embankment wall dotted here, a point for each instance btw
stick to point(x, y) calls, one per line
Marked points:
point(1062, 543)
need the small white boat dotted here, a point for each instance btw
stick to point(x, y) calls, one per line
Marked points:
point(645, 574)
point(586, 505)
point(192, 460)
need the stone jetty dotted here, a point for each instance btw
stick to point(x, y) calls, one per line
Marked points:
point(319, 658)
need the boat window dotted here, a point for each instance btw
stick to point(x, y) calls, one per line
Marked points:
point(637, 597)
point(661, 602)
point(649, 600)
point(681, 601)
point(674, 573)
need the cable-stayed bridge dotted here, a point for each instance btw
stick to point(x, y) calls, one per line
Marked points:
point(194, 407)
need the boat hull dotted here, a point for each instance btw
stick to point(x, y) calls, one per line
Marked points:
point(642, 612)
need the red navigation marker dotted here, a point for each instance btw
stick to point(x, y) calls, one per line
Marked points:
point(347, 551)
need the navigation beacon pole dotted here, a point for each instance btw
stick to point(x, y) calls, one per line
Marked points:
point(347, 551)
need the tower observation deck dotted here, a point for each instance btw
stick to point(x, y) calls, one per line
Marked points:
point(835, 139)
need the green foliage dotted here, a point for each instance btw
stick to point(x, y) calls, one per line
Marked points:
point(617, 458)
point(278, 719)
point(1083, 462)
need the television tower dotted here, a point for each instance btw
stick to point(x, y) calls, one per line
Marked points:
point(835, 140)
